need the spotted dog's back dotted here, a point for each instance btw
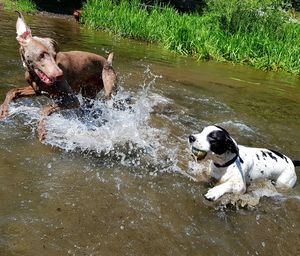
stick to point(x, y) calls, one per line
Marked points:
point(296, 163)
point(261, 163)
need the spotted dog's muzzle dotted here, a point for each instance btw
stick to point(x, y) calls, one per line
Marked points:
point(198, 154)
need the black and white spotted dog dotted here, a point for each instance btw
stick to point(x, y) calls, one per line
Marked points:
point(234, 166)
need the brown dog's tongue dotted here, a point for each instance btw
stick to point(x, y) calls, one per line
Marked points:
point(43, 77)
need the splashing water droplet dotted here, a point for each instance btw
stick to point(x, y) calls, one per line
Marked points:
point(119, 131)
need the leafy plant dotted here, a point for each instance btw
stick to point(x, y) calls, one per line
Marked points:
point(20, 5)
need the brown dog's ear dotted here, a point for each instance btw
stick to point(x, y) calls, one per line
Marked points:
point(23, 32)
point(110, 59)
point(54, 45)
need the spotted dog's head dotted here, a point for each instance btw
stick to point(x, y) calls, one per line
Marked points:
point(213, 140)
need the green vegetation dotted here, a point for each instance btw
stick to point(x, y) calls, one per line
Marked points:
point(260, 33)
point(19, 5)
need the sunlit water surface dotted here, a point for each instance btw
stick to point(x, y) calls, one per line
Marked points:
point(116, 178)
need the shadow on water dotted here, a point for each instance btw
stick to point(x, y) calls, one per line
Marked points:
point(118, 180)
point(58, 6)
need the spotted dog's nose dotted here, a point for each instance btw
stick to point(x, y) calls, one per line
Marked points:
point(192, 139)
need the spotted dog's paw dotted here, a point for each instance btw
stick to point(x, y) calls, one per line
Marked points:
point(214, 194)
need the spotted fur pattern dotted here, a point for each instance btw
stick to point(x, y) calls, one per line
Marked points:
point(234, 166)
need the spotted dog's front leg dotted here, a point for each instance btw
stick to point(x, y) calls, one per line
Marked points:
point(216, 192)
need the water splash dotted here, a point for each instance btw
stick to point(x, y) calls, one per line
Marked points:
point(119, 131)
point(255, 191)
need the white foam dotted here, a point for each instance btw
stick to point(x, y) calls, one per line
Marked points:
point(118, 130)
point(211, 103)
point(105, 127)
point(237, 124)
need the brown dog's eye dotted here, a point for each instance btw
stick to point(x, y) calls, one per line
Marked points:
point(42, 55)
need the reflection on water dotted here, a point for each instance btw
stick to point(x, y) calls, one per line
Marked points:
point(116, 178)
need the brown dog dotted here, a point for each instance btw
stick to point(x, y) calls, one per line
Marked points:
point(59, 75)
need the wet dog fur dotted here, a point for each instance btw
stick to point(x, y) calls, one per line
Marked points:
point(234, 166)
point(58, 75)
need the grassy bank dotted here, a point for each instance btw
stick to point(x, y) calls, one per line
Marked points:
point(260, 33)
point(27, 6)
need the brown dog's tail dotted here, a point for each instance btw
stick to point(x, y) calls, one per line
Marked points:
point(296, 163)
point(109, 77)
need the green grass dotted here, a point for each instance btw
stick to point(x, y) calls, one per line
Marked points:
point(259, 33)
point(27, 6)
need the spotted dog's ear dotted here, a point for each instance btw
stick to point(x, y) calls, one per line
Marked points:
point(220, 142)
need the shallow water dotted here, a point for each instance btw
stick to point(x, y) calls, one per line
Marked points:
point(110, 181)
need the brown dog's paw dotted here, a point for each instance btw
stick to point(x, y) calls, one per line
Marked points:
point(41, 130)
point(42, 136)
point(3, 111)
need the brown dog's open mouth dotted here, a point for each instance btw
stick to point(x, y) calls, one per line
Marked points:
point(44, 78)
point(198, 154)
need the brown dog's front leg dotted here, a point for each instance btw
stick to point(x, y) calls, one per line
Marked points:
point(66, 102)
point(47, 111)
point(14, 94)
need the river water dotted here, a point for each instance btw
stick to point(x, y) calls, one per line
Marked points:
point(110, 181)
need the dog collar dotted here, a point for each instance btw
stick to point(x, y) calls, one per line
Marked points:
point(230, 162)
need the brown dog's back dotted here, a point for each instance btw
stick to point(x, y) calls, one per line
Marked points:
point(82, 70)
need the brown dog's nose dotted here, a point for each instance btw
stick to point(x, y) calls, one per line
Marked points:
point(58, 74)
point(192, 139)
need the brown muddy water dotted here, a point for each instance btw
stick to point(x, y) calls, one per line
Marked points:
point(112, 181)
